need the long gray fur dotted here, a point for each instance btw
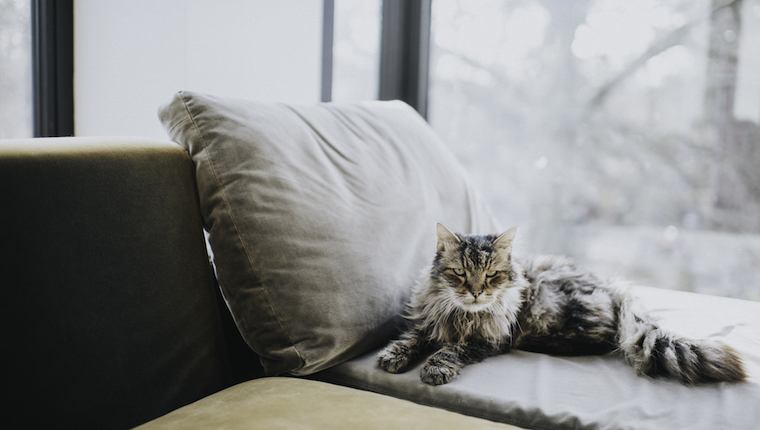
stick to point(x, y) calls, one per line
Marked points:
point(478, 301)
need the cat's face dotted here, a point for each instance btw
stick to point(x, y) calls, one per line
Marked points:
point(475, 269)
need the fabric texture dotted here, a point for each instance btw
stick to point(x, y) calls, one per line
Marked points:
point(107, 300)
point(290, 403)
point(320, 217)
point(596, 392)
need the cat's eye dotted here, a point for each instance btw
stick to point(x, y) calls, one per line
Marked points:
point(458, 272)
point(491, 273)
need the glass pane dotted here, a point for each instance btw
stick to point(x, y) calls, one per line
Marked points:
point(15, 69)
point(625, 134)
point(356, 50)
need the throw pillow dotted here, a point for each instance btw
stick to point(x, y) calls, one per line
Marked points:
point(320, 217)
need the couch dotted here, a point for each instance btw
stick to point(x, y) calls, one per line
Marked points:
point(119, 311)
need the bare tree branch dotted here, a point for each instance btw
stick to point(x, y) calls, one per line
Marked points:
point(669, 41)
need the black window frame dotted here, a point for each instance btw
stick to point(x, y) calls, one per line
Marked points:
point(404, 52)
point(52, 67)
point(328, 30)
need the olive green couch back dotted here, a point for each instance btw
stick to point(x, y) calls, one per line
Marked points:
point(107, 299)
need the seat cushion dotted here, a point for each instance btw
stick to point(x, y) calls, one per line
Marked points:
point(290, 403)
point(320, 217)
point(598, 392)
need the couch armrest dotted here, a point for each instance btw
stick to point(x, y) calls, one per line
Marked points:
point(108, 309)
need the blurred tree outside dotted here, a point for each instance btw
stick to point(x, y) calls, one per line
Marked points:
point(624, 134)
point(15, 69)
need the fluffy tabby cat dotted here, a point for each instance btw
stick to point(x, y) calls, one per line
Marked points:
point(478, 301)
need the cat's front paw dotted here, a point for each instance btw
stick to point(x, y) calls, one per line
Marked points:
point(437, 372)
point(394, 358)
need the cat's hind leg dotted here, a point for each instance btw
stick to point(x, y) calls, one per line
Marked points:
point(399, 354)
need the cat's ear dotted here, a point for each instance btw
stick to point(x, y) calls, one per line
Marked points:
point(504, 242)
point(445, 236)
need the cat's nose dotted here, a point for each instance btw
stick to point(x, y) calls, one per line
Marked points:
point(476, 293)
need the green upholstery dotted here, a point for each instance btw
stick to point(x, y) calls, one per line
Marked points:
point(288, 403)
point(107, 304)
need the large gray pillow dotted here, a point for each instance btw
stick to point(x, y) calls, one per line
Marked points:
point(320, 217)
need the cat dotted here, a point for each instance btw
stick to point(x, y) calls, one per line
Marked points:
point(477, 301)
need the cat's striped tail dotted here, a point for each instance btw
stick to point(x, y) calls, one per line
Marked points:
point(654, 352)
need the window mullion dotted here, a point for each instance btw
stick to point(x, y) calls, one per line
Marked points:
point(404, 52)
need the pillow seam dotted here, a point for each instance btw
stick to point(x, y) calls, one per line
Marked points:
point(237, 232)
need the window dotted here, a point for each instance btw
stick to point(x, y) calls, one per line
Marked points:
point(36, 68)
point(15, 69)
point(625, 134)
point(53, 67)
point(356, 50)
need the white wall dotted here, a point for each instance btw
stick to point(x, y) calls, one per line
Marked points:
point(131, 56)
